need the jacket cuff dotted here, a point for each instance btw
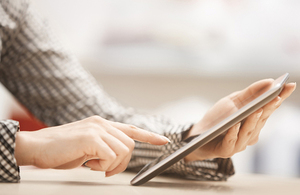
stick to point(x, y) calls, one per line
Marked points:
point(9, 171)
point(217, 169)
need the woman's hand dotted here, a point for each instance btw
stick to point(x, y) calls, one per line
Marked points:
point(239, 136)
point(107, 145)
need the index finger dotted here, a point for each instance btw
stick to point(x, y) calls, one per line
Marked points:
point(139, 134)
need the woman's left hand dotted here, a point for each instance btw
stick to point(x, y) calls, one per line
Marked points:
point(239, 136)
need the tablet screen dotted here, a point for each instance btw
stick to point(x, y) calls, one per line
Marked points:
point(226, 119)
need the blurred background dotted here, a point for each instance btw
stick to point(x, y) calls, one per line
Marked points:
point(178, 57)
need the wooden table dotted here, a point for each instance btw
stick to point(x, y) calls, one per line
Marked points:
point(85, 182)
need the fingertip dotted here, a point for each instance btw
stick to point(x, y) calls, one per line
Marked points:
point(110, 173)
point(295, 85)
point(165, 139)
point(291, 85)
point(278, 101)
point(158, 139)
point(96, 165)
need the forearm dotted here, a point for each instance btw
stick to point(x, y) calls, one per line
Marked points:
point(57, 90)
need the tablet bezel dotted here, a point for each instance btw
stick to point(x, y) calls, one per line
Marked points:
point(200, 140)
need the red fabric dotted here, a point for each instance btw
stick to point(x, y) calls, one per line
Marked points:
point(27, 121)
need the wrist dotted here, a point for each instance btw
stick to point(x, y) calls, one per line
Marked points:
point(196, 155)
point(202, 153)
point(24, 151)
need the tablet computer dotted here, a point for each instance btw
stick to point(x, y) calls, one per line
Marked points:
point(247, 107)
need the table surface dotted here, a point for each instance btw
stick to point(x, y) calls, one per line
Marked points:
point(83, 181)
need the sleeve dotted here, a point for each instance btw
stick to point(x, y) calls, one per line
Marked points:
point(9, 171)
point(54, 87)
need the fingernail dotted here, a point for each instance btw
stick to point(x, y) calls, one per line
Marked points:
point(85, 164)
point(165, 138)
point(295, 86)
point(259, 114)
point(238, 126)
point(278, 101)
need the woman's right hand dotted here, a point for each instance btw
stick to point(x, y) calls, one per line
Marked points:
point(105, 144)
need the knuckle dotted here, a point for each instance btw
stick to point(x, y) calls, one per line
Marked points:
point(111, 157)
point(104, 166)
point(150, 136)
point(249, 133)
point(96, 119)
point(230, 154)
point(234, 95)
point(253, 141)
point(264, 120)
point(232, 140)
point(243, 148)
point(91, 128)
point(132, 127)
point(131, 144)
point(132, 130)
point(124, 151)
point(89, 134)
point(277, 106)
point(123, 167)
point(227, 155)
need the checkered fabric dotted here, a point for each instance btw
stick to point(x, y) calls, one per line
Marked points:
point(9, 171)
point(54, 87)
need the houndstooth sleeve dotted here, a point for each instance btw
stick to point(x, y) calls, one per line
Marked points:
point(9, 171)
point(54, 87)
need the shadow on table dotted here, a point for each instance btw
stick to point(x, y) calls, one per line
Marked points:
point(69, 183)
point(195, 186)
